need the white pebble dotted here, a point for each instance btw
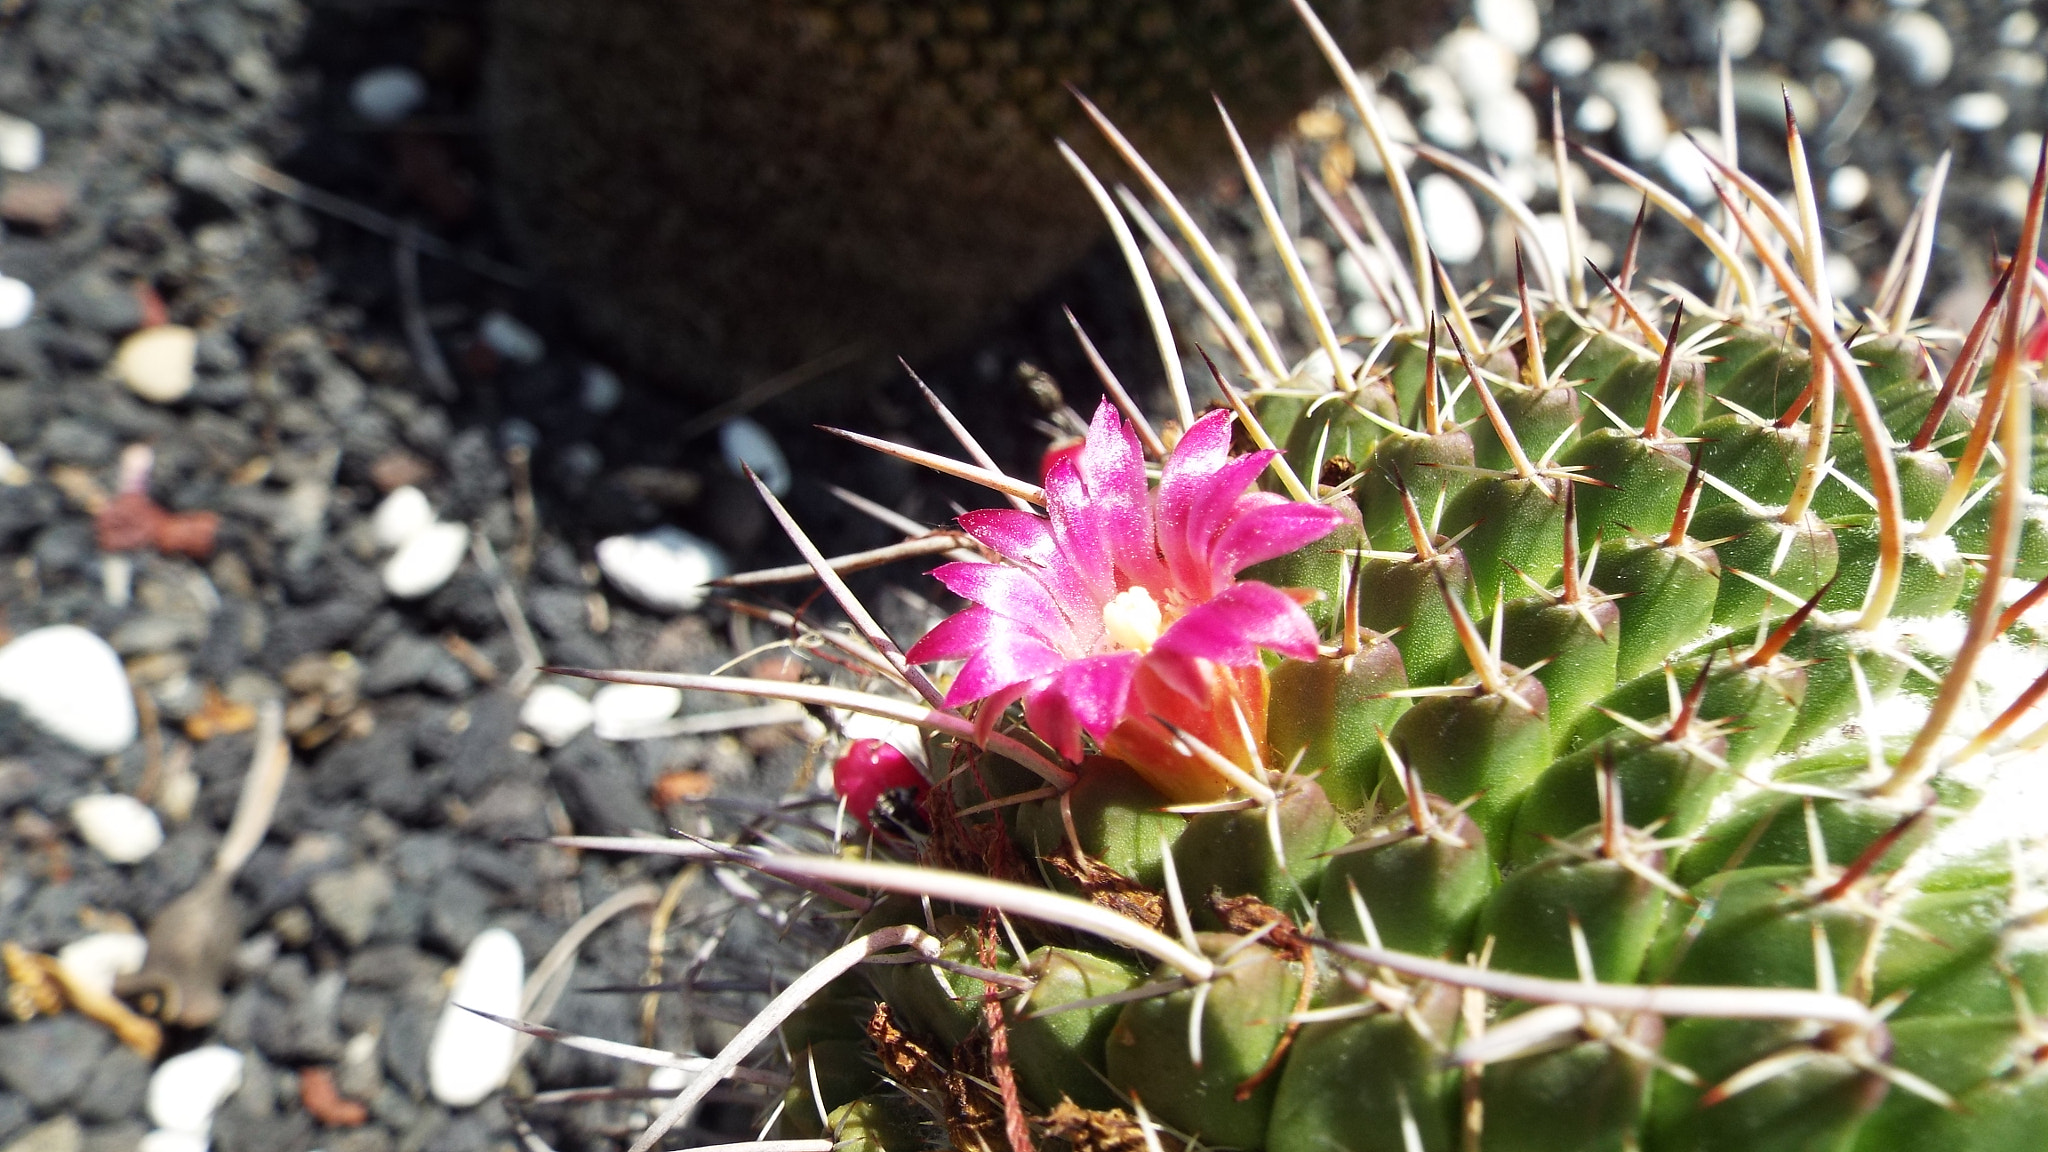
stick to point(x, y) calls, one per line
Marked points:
point(669, 1080)
point(1638, 107)
point(1400, 130)
point(504, 334)
point(1448, 126)
point(98, 960)
point(1507, 126)
point(602, 389)
point(387, 95)
point(188, 1089)
point(71, 684)
point(1313, 370)
point(21, 144)
point(157, 363)
point(745, 444)
point(1449, 218)
point(2023, 153)
point(1481, 66)
point(1741, 25)
point(118, 826)
point(1687, 168)
point(665, 568)
point(426, 561)
point(469, 1056)
point(401, 516)
point(627, 711)
point(2019, 30)
point(1844, 279)
point(1368, 318)
point(17, 303)
point(908, 738)
point(1848, 188)
point(1850, 59)
point(1514, 23)
point(1444, 120)
point(2010, 197)
point(12, 472)
point(555, 713)
point(1595, 116)
point(1568, 55)
point(1924, 45)
point(2019, 69)
point(1977, 111)
point(171, 1140)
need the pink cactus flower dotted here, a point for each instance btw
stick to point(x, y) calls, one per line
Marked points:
point(1122, 605)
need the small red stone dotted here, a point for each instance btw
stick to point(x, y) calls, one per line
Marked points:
point(128, 523)
point(187, 534)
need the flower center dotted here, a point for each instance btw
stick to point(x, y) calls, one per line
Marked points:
point(1132, 619)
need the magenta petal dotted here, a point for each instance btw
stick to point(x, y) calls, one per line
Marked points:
point(1097, 689)
point(1009, 592)
point(957, 636)
point(1051, 718)
point(992, 709)
point(1016, 536)
point(1217, 503)
point(1231, 628)
point(1008, 658)
point(1082, 530)
point(1261, 533)
point(1189, 473)
point(1027, 541)
point(1112, 469)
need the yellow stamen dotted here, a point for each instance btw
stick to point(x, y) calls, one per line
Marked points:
point(1132, 619)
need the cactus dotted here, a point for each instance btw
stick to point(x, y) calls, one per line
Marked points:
point(1632, 788)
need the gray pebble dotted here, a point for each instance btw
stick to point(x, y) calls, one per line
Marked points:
point(458, 908)
point(348, 902)
point(14, 1114)
point(122, 1137)
point(62, 1134)
point(95, 300)
point(48, 1061)
point(116, 1089)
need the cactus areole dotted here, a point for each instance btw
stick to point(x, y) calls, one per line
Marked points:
point(1605, 720)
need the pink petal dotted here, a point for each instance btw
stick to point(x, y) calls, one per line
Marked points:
point(1081, 529)
point(1015, 536)
point(1009, 592)
point(1008, 658)
point(1261, 533)
point(1051, 717)
point(1027, 540)
point(1112, 468)
point(1217, 503)
point(1098, 688)
point(1231, 628)
point(993, 707)
point(1087, 695)
point(1188, 472)
point(957, 636)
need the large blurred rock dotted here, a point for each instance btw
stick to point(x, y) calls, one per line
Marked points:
point(731, 190)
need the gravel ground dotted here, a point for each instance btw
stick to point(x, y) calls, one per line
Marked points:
point(405, 826)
